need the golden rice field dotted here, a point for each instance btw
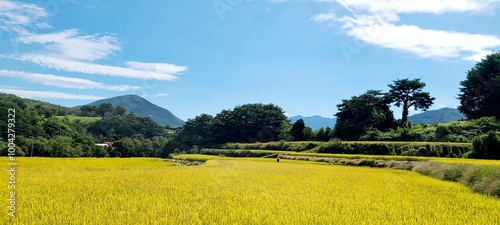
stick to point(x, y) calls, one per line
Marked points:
point(233, 191)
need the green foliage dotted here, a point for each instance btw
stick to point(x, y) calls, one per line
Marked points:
point(480, 92)
point(408, 93)
point(322, 135)
point(353, 118)
point(247, 123)
point(118, 127)
point(198, 131)
point(487, 146)
point(48, 130)
point(286, 132)
point(297, 130)
point(62, 147)
point(124, 147)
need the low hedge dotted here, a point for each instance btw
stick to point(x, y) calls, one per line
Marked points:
point(434, 149)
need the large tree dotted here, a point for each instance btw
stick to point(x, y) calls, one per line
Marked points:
point(297, 130)
point(408, 93)
point(249, 123)
point(198, 131)
point(361, 113)
point(480, 92)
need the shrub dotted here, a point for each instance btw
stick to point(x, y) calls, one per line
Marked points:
point(442, 133)
point(334, 146)
point(487, 146)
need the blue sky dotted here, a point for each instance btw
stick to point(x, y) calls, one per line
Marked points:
point(194, 57)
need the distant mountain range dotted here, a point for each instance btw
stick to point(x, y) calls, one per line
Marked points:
point(315, 122)
point(142, 108)
point(443, 115)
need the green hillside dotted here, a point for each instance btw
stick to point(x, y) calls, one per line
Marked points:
point(443, 115)
point(143, 108)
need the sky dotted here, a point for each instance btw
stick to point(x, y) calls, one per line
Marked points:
point(194, 57)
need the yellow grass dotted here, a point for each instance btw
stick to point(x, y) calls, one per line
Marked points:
point(485, 162)
point(150, 191)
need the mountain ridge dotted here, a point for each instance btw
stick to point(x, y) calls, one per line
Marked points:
point(315, 122)
point(142, 108)
point(442, 115)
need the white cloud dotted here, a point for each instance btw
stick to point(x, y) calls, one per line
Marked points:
point(64, 82)
point(71, 51)
point(69, 45)
point(277, 1)
point(324, 17)
point(375, 22)
point(92, 68)
point(155, 96)
point(15, 16)
point(412, 6)
point(425, 43)
point(156, 67)
point(48, 94)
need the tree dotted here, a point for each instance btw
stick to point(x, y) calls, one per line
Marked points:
point(120, 110)
point(88, 110)
point(486, 146)
point(298, 130)
point(408, 93)
point(285, 133)
point(322, 134)
point(309, 134)
point(198, 131)
point(480, 92)
point(61, 147)
point(361, 113)
point(249, 123)
point(105, 108)
point(328, 134)
point(124, 147)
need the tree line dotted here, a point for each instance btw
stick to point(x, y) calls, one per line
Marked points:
point(44, 129)
point(48, 130)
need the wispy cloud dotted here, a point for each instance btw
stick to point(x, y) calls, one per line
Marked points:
point(50, 62)
point(324, 17)
point(70, 50)
point(64, 82)
point(377, 22)
point(163, 68)
point(156, 95)
point(69, 45)
point(48, 94)
point(16, 16)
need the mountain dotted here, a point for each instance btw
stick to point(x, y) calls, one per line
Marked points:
point(443, 115)
point(315, 122)
point(143, 108)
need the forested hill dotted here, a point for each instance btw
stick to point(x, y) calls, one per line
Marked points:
point(142, 108)
point(443, 115)
point(43, 129)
